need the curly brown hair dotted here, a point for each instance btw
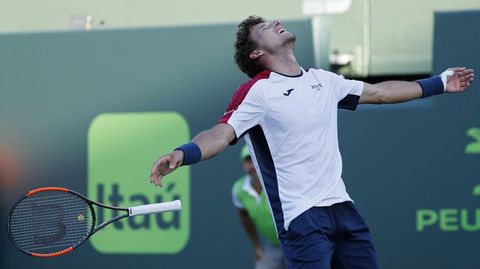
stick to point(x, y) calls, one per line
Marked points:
point(244, 46)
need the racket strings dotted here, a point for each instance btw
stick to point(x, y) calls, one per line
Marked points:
point(50, 221)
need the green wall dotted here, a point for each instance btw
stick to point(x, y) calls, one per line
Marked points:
point(412, 169)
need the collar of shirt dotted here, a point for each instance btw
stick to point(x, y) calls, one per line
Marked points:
point(248, 188)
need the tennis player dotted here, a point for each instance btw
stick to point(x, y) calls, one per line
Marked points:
point(288, 116)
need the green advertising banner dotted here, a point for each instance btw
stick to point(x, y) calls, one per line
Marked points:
point(121, 148)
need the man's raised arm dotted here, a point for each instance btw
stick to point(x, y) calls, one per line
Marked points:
point(205, 145)
point(453, 80)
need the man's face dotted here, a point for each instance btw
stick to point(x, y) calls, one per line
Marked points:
point(270, 36)
point(249, 167)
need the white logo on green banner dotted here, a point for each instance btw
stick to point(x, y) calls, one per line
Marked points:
point(121, 150)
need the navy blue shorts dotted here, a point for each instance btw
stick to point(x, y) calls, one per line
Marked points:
point(335, 236)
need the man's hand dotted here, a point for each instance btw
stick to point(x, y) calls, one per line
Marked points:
point(460, 80)
point(211, 142)
point(165, 165)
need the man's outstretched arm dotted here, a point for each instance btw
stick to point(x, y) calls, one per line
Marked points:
point(205, 145)
point(390, 92)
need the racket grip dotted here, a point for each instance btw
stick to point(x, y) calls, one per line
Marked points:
point(155, 208)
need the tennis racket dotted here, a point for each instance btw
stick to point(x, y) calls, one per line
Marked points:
point(52, 221)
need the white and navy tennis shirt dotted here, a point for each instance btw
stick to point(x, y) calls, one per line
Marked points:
point(290, 126)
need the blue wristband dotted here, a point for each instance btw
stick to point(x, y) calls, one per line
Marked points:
point(431, 86)
point(191, 153)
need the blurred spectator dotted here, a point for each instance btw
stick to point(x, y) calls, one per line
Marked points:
point(9, 169)
point(251, 203)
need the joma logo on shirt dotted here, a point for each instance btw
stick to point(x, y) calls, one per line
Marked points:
point(317, 87)
point(288, 92)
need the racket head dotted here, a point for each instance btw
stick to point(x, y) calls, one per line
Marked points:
point(49, 222)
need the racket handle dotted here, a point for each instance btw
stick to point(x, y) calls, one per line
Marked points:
point(155, 208)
